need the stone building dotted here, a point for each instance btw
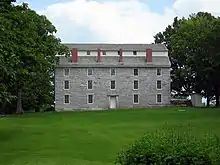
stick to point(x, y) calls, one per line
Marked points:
point(112, 76)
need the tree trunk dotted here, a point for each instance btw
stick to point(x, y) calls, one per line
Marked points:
point(19, 102)
point(2, 109)
point(208, 101)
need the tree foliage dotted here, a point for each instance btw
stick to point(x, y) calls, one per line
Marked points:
point(28, 49)
point(194, 53)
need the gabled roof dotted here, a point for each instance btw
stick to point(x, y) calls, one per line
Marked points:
point(116, 47)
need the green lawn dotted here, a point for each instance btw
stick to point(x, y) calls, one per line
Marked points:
point(90, 138)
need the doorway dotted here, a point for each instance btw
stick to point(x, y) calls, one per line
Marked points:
point(113, 102)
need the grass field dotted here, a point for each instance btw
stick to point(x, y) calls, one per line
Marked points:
point(90, 138)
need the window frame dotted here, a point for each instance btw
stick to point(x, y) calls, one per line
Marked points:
point(137, 71)
point(88, 53)
point(90, 94)
point(111, 71)
point(111, 85)
point(160, 98)
point(64, 71)
point(104, 53)
point(134, 52)
point(88, 85)
point(160, 84)
point(137, 98)
point(160, 71)
point(88, 71)
point(137, 84)
point(65, 84)
point(64, 99)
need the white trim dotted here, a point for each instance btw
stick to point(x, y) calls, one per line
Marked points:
point(138, 98)
point(64, 72)
point(88, 84)
point(161, 98)
point(160, 72)
point(64, 85)
point(137, 70)
point(111, 85)
point(111, 71)
point(88, 71)
point(88, 98)
point(160, 84)
point(64, 99)
point(133, 84)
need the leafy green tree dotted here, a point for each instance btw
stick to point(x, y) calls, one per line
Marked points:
point(28, 51)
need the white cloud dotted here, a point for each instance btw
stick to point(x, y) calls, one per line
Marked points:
point(118, 21)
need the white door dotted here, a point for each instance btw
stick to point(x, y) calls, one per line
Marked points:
point(112, 102)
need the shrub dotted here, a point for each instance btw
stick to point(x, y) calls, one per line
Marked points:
point(169, 147)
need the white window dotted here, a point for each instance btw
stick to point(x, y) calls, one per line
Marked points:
point(104, 53)
point(113, 85)
point(89, 71)
point(66, 99)
point(159, 72)
point(159, 84)
point(66, 71)
point(136, 99)
point(88, 53)
point(113, 71)
point(89, 84)
point(135, 72)
point(159, 98)
point(90, 99)
point(135, 85)
point(135, 53)
point(66, 84)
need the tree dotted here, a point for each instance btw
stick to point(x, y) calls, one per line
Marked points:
point(194, 54)
point(197, 37)
point(29, 45)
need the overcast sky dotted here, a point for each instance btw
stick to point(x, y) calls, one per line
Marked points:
point(116, 21)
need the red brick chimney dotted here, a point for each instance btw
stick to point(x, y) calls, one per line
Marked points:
point(99, 55)
point(74, 55)
point(120, 55)
point(148, 55)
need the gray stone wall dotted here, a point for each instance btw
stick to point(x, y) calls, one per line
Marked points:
point(101, 88)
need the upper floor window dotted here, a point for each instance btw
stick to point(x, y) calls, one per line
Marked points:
point(135, 84)
point(159, 72)
point(103, 52)
point(66, 99)
point(135, 72)
point(113, 84)
point(113, 71)
point(159, 84)
point(66, 71)
point(88, 53)
point(89, 84)
point(135, 53)
point(89, 71)
point(66, 84)
point(119, 52)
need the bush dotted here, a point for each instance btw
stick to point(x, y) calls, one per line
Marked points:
point(171, 148)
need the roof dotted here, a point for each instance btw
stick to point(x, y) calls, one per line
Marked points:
point(115, 47)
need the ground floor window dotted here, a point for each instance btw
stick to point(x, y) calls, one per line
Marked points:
point(135, 98)
point(90, 99)
point(159, 98)
point(66, 99)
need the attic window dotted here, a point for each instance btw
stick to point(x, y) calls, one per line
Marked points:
point(103, 52)
point(88, 52)
point(135, 53)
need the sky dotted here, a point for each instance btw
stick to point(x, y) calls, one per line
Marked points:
point(116, 21)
